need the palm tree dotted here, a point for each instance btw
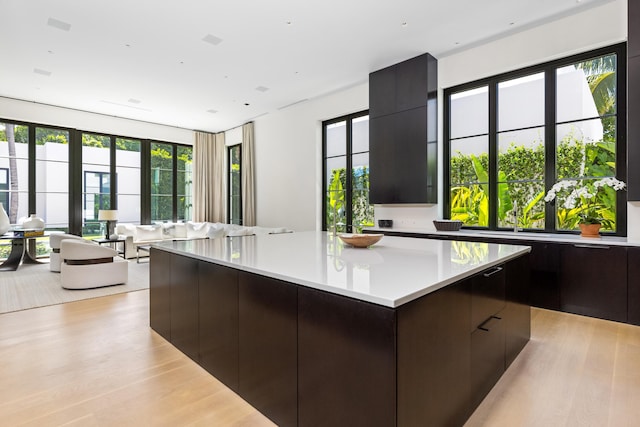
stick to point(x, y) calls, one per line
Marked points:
point(13, 174)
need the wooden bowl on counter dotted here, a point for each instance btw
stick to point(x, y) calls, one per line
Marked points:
point(360, 240)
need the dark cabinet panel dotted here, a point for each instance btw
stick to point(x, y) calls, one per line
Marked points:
point(633, 128)
point(411, 83)
point(268, 346)
point(399, 167)
point(633, 281)
point(487, 295)
point(517, 311)
point(487, 357)
point(184, 303)
point(633, 37)
point(160, 292)
point(218, 313)
point(346, 361)
point(594, 281)
point(403, 132)
point(382, 92)
point(545, 274)
point(433, 332)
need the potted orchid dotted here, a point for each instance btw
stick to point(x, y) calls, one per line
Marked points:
point(585, 200)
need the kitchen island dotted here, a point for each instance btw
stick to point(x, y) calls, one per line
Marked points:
point(311, 331)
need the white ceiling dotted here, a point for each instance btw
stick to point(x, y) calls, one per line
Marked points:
point(147, 60)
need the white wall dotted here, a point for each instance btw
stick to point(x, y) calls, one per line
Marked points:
point(288, 143)
point(13, 109)
point(289, 159)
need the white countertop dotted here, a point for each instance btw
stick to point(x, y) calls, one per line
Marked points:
point(516, 236)
point(393, 272)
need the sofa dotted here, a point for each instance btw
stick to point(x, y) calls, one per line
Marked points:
point(142, 235)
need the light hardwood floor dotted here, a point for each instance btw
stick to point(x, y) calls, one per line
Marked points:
point(97, 363)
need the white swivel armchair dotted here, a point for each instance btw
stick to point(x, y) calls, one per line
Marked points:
point(90, 266)
point(54, 243)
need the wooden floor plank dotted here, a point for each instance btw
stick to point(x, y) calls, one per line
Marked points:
point(97, 363)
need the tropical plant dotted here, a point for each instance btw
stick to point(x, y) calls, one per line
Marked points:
point(587, 201)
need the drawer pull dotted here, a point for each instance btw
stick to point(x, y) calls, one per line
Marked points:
point(578, 245)
point(494, 271)
point(487, 324)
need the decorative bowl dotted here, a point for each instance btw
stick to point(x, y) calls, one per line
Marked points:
point(447, 224)
point(360, 240)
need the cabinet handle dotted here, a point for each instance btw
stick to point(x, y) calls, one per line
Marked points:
point(578, 245)
point(491, 273)
point(486, 325)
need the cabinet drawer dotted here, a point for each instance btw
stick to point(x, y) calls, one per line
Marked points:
point(487, 295)
point(487, 357)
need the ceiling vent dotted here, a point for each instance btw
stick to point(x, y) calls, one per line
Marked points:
point(211, 39)
point(56, 23)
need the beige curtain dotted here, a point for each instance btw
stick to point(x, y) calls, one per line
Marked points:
point(248, 176)
point(208, 177)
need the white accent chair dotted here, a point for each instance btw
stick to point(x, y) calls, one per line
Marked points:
point(90, 266)
point(54, 243)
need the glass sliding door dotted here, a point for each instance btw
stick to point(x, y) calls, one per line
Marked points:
point(96, 181)
point(128, 180)
point(184, 182)
point(161, 182)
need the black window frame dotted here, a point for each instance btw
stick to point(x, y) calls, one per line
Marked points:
point(230, 218)
point(349, 118)
point(549, 69)
point(4, 192)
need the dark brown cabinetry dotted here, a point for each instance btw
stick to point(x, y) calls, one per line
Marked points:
point(219, 319)
point(434, 370)
point(306, 357)
point(184, 297)
point(160, 293)
point(633, 283)
point(268, 346)
point(346, 348)
point(594, 281)
point(403, 132)
point(633, 99)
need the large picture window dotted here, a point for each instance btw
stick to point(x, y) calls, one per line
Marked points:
point(511, 137)
point(346, 173)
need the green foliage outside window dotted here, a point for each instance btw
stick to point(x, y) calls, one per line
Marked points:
point(521, 181)
point(362, 211)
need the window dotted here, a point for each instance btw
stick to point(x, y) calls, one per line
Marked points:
point(346, 195)
point(171, 182)
point(14, 156)
point(234, 183)
point(52, 177)
point(128, 174)
point(4, 187)
point(509, 138)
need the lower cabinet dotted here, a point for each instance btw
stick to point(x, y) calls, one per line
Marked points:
point(346, 362)
point(219, 322)
point(633, 283)
point(268, 361)
point(184, 298)
point(304, 357)
point(160, 292)
point(434, 355)
point(593, 281)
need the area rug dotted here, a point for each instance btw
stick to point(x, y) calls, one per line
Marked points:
point(33, 285)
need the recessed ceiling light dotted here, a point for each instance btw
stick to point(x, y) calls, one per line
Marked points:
point(457, 43)
point(404, 24)
point(50, 51)
point(511, 23)
point(262, 89)
point(211, 39)
point(56, 23)
point(42, 72)
point(246, 104)
point(289, 22)
point(134, 101)
point(212, 111)
point(127, 45)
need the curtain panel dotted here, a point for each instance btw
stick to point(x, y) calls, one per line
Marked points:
point(209, 177)
point(248, 176)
